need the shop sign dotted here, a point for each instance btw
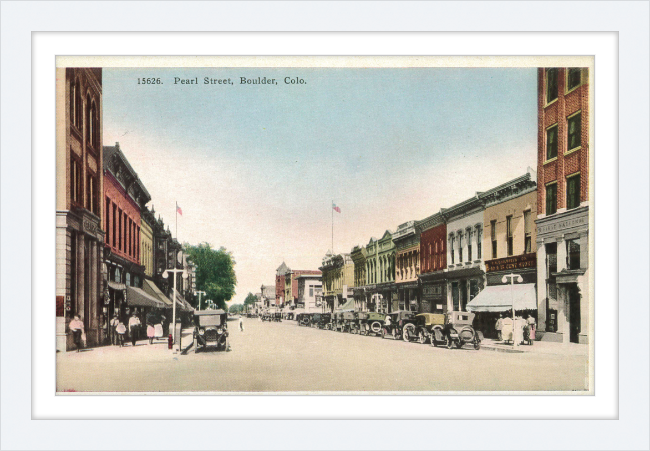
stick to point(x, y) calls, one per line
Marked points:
point(561, 225)
point(516, 262)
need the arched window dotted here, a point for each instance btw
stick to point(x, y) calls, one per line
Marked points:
point(88, 116)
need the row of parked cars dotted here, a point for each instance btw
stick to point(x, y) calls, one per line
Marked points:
point(450, 329)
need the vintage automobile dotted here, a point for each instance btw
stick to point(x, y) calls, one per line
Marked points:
point(372, 323)
point(349, 322)
point(277, 316)
point(424, 326)
point(315, 319)
point(393, 328)
point(325, 321)
point(457, 331)
point(210, 330)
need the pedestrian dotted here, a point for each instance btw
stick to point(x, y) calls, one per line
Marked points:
point(113, 324)
point(134, 325)
point(78, 333)
point(241, 324)
point(499, 327)
point(121, 330)
point(158, 328)
point(151, 333)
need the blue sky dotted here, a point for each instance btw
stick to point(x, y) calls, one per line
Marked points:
point(256, 167)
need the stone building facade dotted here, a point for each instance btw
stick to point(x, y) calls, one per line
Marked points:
point(338, 280)
point(465, 268)
point(358, 256)
point(563, 203)
point(79, 222)
point(310, 288)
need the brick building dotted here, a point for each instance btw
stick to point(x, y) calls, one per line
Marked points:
point(79, 228)
point(563, 203)
point(125, 196)
point(407, 265)
point(433, 263)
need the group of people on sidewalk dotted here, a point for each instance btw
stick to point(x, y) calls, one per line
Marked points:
point(522, 326)
point(118, 330)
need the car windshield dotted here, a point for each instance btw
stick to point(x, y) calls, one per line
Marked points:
point(209, 320)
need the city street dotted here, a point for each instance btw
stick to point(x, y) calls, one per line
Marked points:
point(283, 357)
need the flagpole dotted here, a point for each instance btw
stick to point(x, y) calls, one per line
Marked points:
point(332, 226)
point(176, 220)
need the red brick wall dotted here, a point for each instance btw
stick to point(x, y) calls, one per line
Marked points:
point(130, 248)
point(433, 261)
point(557, 112)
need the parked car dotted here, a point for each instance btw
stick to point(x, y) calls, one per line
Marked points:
point(372, 323)
point(277, 316)
point(394, 327)
point(325, 321)
point(425, 326)
point(413, 329)
point(349, 322)
point(457, 331)
point(210, 330)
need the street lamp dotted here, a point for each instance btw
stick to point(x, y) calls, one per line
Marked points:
point(512, 299)
point(200, 293)
point(166, 275)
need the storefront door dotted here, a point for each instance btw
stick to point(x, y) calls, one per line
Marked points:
point(574, 313)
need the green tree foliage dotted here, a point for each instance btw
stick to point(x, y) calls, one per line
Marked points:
point(251, 299)
point(215, 272)
point(236, 309)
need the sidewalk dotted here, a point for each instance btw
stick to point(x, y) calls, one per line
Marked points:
point(538, 347)
point(141, 351)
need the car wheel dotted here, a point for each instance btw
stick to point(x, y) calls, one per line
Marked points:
point(448, 342)
point(406, 332)
point(421, 338)
point(459, 344)
point(477, 344)
point(375, 327)
point(434, 343)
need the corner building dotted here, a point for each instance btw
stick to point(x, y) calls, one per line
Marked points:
point(79, 180)
point(563, 204)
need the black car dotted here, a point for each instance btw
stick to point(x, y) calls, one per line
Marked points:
point(210, 330)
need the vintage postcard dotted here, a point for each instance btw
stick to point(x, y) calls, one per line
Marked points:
point(325, 225)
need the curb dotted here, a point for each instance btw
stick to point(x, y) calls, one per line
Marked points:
point(495, 349)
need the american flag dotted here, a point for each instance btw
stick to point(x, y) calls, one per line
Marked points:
point(337, 209)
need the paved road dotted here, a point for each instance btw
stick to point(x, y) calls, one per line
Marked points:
point(285, 357)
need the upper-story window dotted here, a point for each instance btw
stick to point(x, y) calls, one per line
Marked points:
point(76, 183)
point(479, 240)
point(573, 78)
point(574, 132)
point(551, 198)
point(551, 142)
point(468, 232)
point(493, 236)
point(573, 191)
point(451, 248)
point(527, 232)
point(92, 194)
point(460, 247)
point(509, 240)
point(551, 84)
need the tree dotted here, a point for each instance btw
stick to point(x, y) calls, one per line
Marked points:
point(236, 309)
point(251, 299)
point(215, 272)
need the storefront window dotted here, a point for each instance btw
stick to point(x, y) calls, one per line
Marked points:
point(573, 254)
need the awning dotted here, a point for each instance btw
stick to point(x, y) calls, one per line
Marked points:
point(499, 298)
point(136, 297)
point(116, 285)
point(152, 289)
point(182, 303)
point(348, 306)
